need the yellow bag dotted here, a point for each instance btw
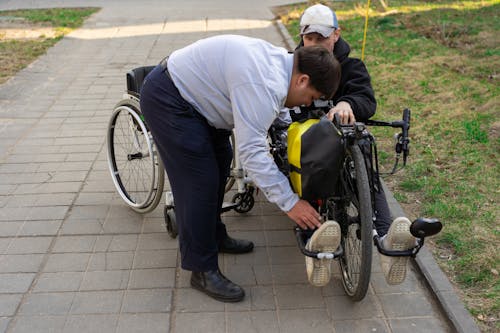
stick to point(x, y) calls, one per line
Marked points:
point(315, 155)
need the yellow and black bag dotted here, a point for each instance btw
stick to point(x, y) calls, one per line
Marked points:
point(315, 155)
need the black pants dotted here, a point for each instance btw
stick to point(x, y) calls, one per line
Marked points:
point(197, 159)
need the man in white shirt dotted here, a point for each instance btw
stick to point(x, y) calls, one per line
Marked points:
point(192, 101)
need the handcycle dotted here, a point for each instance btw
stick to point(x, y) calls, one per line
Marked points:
point(351, 202)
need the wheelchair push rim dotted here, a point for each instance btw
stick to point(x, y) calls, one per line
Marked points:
point(134, 165)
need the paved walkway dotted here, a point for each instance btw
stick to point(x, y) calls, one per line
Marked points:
point(74, 258)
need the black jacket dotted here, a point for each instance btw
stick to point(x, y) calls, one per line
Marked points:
point(355, 83)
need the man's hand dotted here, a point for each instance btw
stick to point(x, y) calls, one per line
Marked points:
point(305, 215)
point(344, 110)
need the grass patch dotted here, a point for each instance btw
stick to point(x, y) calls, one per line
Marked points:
point(16, 53)
point(441, 59)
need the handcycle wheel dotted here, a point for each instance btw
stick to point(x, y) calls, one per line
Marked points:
point(230, 180)
point(136, 168)
point(355, 263)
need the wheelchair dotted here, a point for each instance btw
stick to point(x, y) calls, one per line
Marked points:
point(139, 177)
point(136, 168)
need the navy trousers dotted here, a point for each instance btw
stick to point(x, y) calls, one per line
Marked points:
point(197, 160)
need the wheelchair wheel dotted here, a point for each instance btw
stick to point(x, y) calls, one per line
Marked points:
point(230, 180)
point(136, 168)
point(170, 222)
point(356, 223)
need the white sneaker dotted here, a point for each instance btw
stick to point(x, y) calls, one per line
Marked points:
point(325, 239)
point(398, 238)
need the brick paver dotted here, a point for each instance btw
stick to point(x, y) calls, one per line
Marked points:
point(74, 258)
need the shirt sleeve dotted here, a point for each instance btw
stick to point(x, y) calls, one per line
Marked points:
point(254, 109)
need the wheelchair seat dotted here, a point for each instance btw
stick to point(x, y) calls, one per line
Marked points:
point(135, 78)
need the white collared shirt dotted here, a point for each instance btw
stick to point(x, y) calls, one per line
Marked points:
point(242, 83)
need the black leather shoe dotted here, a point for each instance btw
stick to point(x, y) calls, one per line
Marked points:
point(217, 286)
point(235, 246)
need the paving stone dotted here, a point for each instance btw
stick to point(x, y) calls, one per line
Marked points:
point(89, 212)
point(191, 300)
point(263, 274)
point(380, 286)
point(9, 229)
point(43, 304)
point(52, 199)
point(81, 227)
point(27, 245)
point(97, 302)
point(258, 256)
point(254, 321)
point(361, 325)
point(343, 308)
point(122, 225)
point(155, 259)
point(103, 243)
point(160, 241)
point(262, 297)
point(282, 255)
point(199, 322)
point(241, 274)
point(335, 287)
point(4, 243)
point(21, 263)
point(305, 320)
point(144, 322)
point(59, 281)
point(74, 244)
point(281, 238)
point(105, 280)
point(39, 324)
point(299, 296)
point(4, 323)
point(421, 325)
point(40, 228)
point(289, 274)
point(91, 323)
point(152, 278)
point(67, 262)
point(147, 300)
point(154, 225)
point(405, 305)
point(242, 223)
point(104, 261)
point(9, 304)
point(16, 283)
point(90, 199)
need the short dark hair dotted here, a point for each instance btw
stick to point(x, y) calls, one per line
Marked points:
point(321, 66)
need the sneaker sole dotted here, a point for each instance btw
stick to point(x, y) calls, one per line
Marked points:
point(402, 240)
point(325, 239)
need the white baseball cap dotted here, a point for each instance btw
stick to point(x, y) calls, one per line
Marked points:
point(318, 18)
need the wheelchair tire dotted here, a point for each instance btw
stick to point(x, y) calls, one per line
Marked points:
point(170, 222)
point(231, 180)
point(357, 227)
point(244, 201)
point(136, 168)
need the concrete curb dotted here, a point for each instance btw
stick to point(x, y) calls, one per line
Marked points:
point(454, 309)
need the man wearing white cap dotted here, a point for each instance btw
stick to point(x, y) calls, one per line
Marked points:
point(353, 101)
